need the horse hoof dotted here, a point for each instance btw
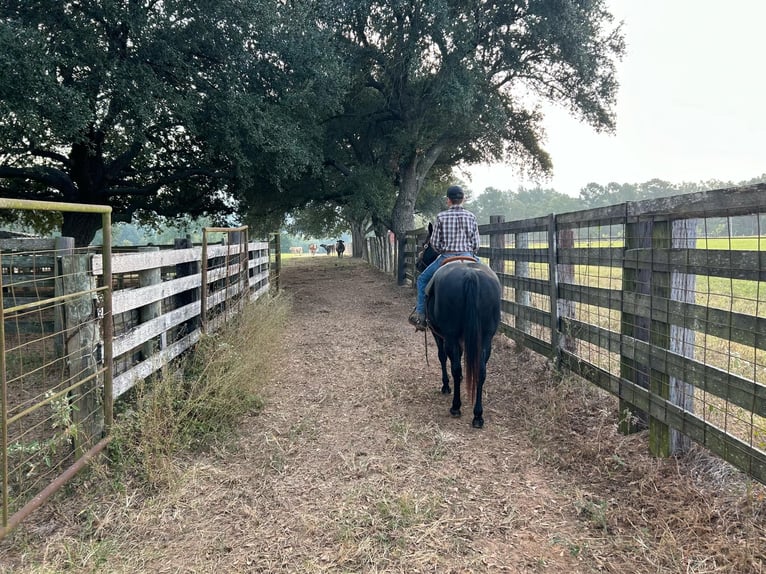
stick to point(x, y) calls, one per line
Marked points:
point(455, 412)
point(477, 423)
point(446, 390)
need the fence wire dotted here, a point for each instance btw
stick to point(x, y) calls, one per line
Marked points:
point(52, 395)
point(660, 302)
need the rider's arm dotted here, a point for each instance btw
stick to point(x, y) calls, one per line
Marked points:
point(437, 241)
point(475, 239)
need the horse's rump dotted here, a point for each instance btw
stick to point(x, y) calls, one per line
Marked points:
point(448, 294)
point(463, 308)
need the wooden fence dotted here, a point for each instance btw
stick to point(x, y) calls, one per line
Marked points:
point(660, 302)
point(66, 333)
point(158, 304)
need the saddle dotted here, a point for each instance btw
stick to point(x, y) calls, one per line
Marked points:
point(461, 259)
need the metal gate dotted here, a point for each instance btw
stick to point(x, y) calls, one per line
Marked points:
point(55, 361)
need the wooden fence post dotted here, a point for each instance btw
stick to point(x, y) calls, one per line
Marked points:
point(244, 266)
point(62, 246)
point(151, 311)
point(566, 308)
point(635, 282)
point(521, 270)
point(191, 295)
point(553, 290)
point(239, 281)
point(277, 259)
point(659, 336)
point(682, 339)
point(497, 246)
point(81, 344)
point(393, 248)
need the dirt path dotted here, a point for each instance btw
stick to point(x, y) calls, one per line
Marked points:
point(355, 465)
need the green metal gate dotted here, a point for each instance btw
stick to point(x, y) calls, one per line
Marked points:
point(56, 395)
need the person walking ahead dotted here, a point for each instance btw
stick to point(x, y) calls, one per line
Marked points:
point(455, 234)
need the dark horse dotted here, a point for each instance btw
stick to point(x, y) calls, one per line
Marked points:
point(463, 312)
point(340, 247)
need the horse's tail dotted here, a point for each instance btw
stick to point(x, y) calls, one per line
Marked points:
point(472, 343)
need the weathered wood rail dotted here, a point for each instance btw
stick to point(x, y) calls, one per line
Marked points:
point(177, 324)
point(659, 302)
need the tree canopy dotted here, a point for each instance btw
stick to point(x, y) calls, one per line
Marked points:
point(440, 82)
point(265, 108)
point(172, 107)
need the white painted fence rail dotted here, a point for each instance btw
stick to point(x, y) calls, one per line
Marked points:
point(175, 323)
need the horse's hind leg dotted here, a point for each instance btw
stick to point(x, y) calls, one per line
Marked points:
point(455, 355)
point(478, 407)
point(443, 362)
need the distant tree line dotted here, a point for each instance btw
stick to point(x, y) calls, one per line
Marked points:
point(526, 203)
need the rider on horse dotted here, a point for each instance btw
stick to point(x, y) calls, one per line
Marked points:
point(456, 235)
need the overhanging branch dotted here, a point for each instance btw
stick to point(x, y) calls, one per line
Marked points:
point(48, 176)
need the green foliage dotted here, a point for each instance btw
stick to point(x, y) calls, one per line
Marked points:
point(521, 204)
point(596, 195)
point(162, 231)
point(189, 107)
point(534, 202)
point(443, 82)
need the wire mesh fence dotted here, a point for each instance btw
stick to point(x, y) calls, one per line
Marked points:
point(53, 392)
point(61, 330)
point(55, 362)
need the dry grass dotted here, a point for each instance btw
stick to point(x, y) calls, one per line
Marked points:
point(354, 465)
point(202, 399)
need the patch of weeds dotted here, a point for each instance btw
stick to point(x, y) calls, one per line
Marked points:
point(401, 431)
point(356, 464)
point(306, 429)
point(593, 511)
point(82, 554)
point(535, 435)
point(439, 449)
point(575, 550)
point(385, 523)
point(203, 397)
point(401, 512)
point(617, 465)
point(277, 454)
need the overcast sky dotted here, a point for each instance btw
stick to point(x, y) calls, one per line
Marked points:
point(691, 105)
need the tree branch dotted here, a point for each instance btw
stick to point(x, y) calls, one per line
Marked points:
point(62, 159)
point(49, 176)
point(154, 187)
point(339, 166)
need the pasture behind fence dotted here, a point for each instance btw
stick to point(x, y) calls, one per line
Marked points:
point(660, 302)
point(68, 353)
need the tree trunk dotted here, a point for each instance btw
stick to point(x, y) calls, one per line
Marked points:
point(81, 226)
point(88, 174)
point(403, 217)
point(358, 244)
point(412, 176)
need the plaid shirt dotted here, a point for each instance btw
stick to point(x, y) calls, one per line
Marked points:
point(456, 231)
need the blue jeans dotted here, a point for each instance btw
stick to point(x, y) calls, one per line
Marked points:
point(428, 272)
